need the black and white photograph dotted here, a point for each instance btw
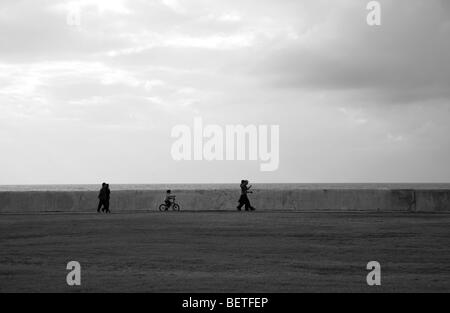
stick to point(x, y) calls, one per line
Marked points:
point(217, 149)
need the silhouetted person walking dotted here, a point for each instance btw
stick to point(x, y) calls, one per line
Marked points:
point(103, 198)
point(244, 200)
point(107, 196)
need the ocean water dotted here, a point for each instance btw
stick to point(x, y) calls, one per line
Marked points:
point(91, 187)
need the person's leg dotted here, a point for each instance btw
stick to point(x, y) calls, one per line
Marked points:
point(241, 203)
point(247, 204)
point(100, 203)
point(106, 207)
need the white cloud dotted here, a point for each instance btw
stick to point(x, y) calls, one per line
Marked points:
point(174, 40)
point(113, 77)
point(356, 116)
point(154, 83)
point(395, 138)
point(174, 5)
point(101, 6)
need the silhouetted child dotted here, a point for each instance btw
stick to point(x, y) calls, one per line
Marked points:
point(169, 199)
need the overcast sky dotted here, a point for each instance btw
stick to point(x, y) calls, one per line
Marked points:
point(97, 101)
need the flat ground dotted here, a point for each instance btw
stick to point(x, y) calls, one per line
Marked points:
point(225, 252)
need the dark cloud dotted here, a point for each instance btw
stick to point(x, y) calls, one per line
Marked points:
point(406, 59)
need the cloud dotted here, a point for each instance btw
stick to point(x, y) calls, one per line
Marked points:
point(349, 98)
point(403, 60)
point(174, 5)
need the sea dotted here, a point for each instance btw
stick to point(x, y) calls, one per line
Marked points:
point(283, 186)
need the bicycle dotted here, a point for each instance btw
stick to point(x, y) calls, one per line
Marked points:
point(175, 206)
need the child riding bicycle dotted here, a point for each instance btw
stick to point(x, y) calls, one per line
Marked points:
point(170, 199)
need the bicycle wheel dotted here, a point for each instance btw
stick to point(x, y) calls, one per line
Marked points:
point(162, 207)
point(176, 207)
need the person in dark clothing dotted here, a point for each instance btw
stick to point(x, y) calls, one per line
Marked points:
point(244, 200)
point(103, 199)
point(107, 197)
point(170, 198)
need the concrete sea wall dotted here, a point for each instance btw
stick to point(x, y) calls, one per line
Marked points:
point(225, 199)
